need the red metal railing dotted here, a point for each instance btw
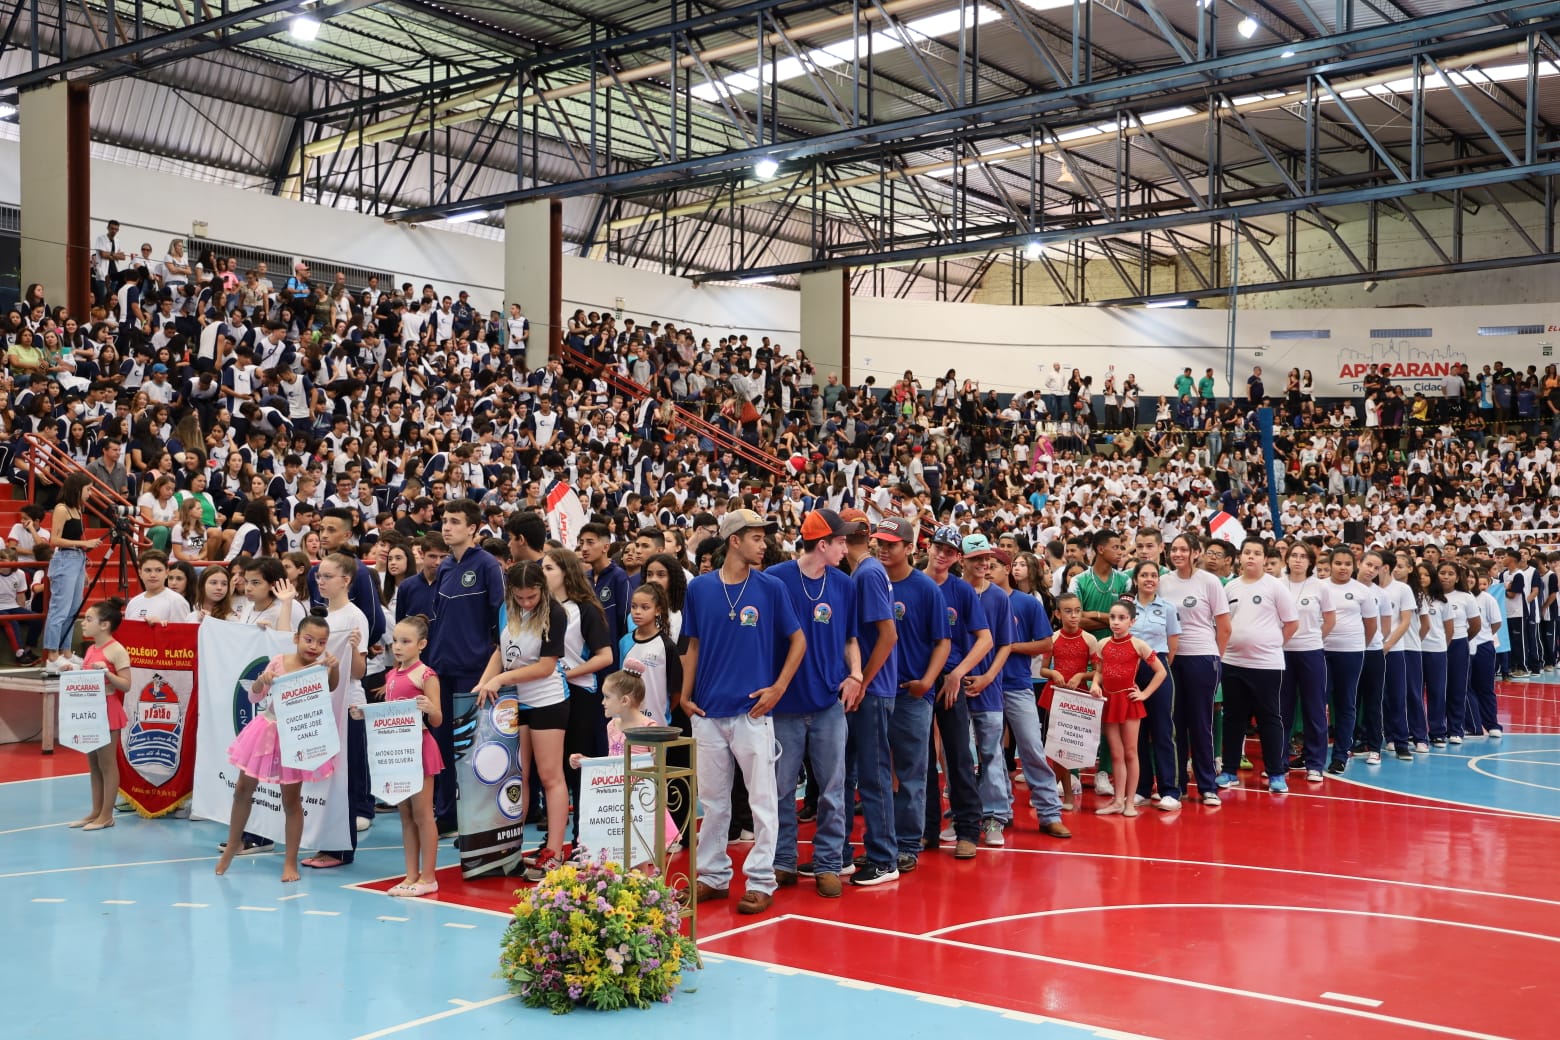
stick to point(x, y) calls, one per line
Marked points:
point(689, 419)
point(106, 501)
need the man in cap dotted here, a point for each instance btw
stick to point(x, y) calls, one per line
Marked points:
point(736, 620)
point(971, 641)
point(921, 627)
point(810, 718)
point(868, 765)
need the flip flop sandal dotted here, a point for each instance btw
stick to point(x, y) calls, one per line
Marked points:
point(323, 863)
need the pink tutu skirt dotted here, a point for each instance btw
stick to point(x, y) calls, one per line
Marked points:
point(258, 753)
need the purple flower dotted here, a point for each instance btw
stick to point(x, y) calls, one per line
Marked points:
point(575, 992)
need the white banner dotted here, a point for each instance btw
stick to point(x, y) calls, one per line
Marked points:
point(1072, 737)
point(305, 725)
point(395, 742)
point(231, 657)
point(83, 710)
point(601, 809)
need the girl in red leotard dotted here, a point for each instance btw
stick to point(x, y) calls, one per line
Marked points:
point(1072, 651)
point(1115, 682)
point(105, 652)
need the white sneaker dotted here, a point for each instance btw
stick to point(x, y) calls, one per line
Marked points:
point(1314, 776)
point(1373, 759)
point(991, 834)
point(948, 834)
point(363, 823)
point(1495, 732)
point(1168, 803)
point(1102, 785)
point(1139, 800)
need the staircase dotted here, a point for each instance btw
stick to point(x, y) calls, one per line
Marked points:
point(103, 503)
point(690, 420)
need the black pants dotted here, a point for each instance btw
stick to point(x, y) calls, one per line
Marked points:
point(1248, 692)
point(357, 785)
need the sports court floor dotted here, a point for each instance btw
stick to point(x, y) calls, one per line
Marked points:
point(1406, 900)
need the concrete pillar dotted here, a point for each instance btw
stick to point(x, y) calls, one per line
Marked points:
point(533, 273)
point(56, 209)
point(826, 323)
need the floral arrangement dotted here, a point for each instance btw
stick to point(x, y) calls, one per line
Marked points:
point(595, 935)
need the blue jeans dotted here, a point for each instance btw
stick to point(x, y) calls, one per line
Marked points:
point(1305, 685)
point(1022, 712)
point(820, 735)
point(67, 581)
point(909, 737)
point(1343, 681)
point(992, 783)
point(1156, 737)
point(1196, 679)
point(1456, 687)
point(871, 764)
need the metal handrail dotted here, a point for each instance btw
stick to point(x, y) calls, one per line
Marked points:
point(59, 465)
point(693, 421)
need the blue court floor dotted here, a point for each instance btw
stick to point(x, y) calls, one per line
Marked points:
point(128, 933)
point(1519, 772)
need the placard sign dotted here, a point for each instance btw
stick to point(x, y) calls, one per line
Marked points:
point(601, 809)
point(305, 721)
point(1073, 737)
point(84, 710)
point(395, 740)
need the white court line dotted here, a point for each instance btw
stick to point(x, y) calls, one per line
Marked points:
point(1451, 805)
point(458, 924)
point(257, 909)
point(452, 1012)
point(1473, 764)
point(110, 866)
point(359, 886)
point(295, 895)
point(48, 900)
point(322, 913)
point(387, 917)
point(1074, 910)
point(119, 902)
point(36, 827)
point(41, 779)
point(718, 958)
point(1169, 980)
point(192, 906)
point(1282, 870)
point(765, 923)
point(1347, 999)
point(459, 1002)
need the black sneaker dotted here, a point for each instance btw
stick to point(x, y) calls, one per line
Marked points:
point(1297, 762)
point(907, 862)
point(252, 846)
point(1336, 766)
point(808, 814)
point(872, 874)
point(860, 861)
point(1404, 754)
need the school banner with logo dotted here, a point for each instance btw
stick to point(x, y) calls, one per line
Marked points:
point(565, 515)
point(395, 742)
point(157, 747)
point(84, 710)
point(232, 656)
point(1072, 738)
point(491, 809)
point(601, 810)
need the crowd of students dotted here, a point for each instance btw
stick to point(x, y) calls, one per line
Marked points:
point(394, 443)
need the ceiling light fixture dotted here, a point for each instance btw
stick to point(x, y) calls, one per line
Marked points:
point(1247, 27)
point(7, 111)
point(1034, 251)
point(766, 168)
point(467, 217)
point(304, 28)
point(1165, 304)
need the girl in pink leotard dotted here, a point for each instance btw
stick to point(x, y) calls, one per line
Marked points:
point(105, 652)
point(410, 678)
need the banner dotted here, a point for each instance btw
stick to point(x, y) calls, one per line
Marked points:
point(395, 742)
point(305, 725)
point(84, 710)
point(232, 656)
point(1072, 737)
point(1228, 528)
point(601, 809)
point(491, 808)
point(565, 515)
point(157, 747)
